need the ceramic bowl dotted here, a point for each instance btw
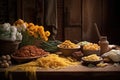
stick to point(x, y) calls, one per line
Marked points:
point(94, 62)
point(68, 51)
point(89, 52)
point(26, 59)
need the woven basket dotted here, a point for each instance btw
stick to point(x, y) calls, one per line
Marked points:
point(8, 47)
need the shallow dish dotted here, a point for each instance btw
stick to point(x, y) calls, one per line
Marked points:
point(26, 59)
point(94, 62)
point(68, 51)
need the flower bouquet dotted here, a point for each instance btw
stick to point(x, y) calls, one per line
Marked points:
point(32, 34)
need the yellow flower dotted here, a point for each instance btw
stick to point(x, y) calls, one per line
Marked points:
point(42, 28)
point(31, 33)
point(19, 21)
point(33, 30)
point(30, 24)
point(47, 33)
point(36, 28)
point(42, 32)
point(46, 38)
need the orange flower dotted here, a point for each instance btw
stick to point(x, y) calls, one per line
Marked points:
point(34, 30)
point(31, 28)
point(31, 33)
point(46, 38)
point(47, 33)
point(30, 24)
point(41, 31)
point(19, 21)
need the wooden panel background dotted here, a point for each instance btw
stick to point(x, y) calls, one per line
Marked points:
point(72, 20)
point(72, 15)
point(91, 13)
point(73, 33)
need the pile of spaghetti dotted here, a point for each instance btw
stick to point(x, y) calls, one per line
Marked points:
point(51, 61)
point(55, 61)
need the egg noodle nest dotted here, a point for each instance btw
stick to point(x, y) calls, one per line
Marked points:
point(52, 61)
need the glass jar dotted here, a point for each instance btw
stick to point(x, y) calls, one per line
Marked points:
point(104, 44)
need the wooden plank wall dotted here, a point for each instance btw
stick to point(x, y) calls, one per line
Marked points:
point(91, 13)
point(75, 17)
point(72, 20)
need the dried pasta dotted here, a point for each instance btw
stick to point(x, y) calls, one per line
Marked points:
point(92, 57)
point(53, 61)
point(68, 44)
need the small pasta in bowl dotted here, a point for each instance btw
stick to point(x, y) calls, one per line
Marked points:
point(91, 59)
point(91, 48)
point(67, 48)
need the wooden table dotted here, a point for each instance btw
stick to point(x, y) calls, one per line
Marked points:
point(80, 72)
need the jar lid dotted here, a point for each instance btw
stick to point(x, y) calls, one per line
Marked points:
point(103, 37)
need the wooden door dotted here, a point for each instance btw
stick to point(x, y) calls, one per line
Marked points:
point(72, 20)
point(79, 19)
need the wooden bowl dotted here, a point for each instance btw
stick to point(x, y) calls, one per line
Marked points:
point(94, 62)
point(26, 59)
point(89, 52)
point(68, 51)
